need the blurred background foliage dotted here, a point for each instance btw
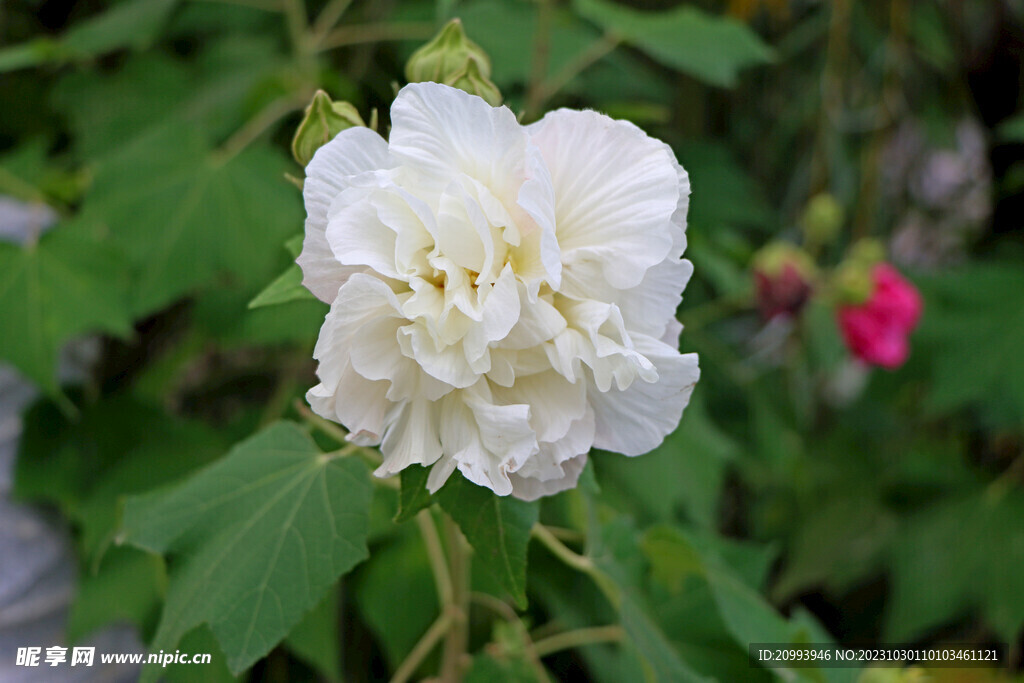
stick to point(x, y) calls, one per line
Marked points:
point(143, 150)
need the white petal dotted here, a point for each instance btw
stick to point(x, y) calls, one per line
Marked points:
point(635, 421)
point(447, 364)
point(354, 401)
point(539, 321)
point(353, 151)
point(357, 236)
point(555, 404)
point(651, 306)
point(411, 438)
point(446, 132)
point(528, 488)
point(500, 313)
point(616, 191)
point(538, 257)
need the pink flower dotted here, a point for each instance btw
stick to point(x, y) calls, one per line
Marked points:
point(876, 331)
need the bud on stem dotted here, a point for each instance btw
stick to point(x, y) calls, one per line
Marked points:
point(323, 120)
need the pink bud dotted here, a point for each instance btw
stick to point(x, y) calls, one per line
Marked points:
point(876, 331)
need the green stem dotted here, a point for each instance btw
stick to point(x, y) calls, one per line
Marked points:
point(541, 54)
point(583, 636)
point(435, 553)
point(551, 86)
point(457, 639)
point(580, 563)
point(324, 426)
point(327, 18)
point(295, 16)
point(258, 125)
point(503, 609)
point(373, 33)
point(416, 656)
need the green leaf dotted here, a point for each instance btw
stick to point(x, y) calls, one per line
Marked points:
point(132, 24)
point(198, 216)
point(67, 284)
point(498, 528)
point(487, 668)
point(257, 539)
point(614, 551)
point(838, 543)
point(413, 496)
point(197, 640)
point(146, 88)
point(223, 315)
point(117, 446)
point(710, 48)
point(128, 24)
point(127, 587)
point(960, 554)
point(286, 287)
point(970, 335)
point(316, 639)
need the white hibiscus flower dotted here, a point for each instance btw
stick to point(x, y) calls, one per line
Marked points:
point(502, 297)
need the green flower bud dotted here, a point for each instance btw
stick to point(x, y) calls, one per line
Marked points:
point(852, 282)
point(868, 252)
point(323, 120)
point(471, 80)
point(774, 257)
point(446, 57)
point(822, 219)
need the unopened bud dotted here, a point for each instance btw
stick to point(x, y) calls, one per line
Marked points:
point(323, 120)
point(852, 282)
point(867, 251)
point(471, 80)
point(783, 278)
point(822, 219)
point(453, 59)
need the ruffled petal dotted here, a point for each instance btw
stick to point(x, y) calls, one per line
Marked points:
point(635, 421)
point(528, 488)
point(616, 191)
point(411, 438)
point(351, 152)
point(445, 132)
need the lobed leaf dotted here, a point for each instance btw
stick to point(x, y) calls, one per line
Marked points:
point(256, 540)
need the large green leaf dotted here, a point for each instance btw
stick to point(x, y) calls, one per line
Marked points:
point(214, 93)
point(67, 284)
point(710, 48)
point(613, 548)
point(126, 587)
point(971, 331)
point(256, 540)
point(960, 554)
point(117, 446)
point(413, 496)
point(702, 568)
point(498, 528)
point(128, 24)
point(189, 217)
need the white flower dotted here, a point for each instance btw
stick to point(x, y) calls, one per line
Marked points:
point(502, 297)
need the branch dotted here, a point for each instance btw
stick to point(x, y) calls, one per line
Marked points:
point(416, 656)
point(583, 636)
